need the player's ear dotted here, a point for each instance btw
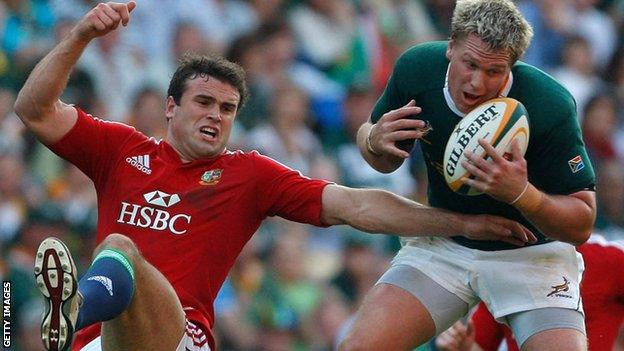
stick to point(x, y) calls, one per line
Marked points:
point(449, 49)
point(170, 108)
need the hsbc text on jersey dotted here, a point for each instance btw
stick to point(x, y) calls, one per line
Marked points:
point(153, 218)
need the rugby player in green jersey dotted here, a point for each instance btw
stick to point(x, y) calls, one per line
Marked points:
point(434, 281)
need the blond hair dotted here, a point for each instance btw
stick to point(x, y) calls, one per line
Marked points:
point(498, 23)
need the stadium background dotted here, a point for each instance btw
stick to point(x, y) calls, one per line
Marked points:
point(314, 68)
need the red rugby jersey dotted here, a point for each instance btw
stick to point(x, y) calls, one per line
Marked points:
point(189, 220)
point(602, 291)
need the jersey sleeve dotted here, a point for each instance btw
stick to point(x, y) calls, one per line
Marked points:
point(93, 145)
point(488, 332)
point(560, 162)
point(284, 192)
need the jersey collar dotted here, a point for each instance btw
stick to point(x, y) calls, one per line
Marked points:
point(451, 104)
point(168, 153)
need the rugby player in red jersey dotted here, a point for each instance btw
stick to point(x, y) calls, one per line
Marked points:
point(174, 214)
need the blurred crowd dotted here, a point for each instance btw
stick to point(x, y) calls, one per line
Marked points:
point(315, 68)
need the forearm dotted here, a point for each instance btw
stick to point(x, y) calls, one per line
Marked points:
point(40, 94)
point(384, 163)
point(568, 218)
point(379, 211)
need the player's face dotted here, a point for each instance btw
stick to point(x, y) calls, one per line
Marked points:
point(476, 74)
point(200, 126)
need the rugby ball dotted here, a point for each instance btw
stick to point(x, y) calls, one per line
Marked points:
point(499, 121)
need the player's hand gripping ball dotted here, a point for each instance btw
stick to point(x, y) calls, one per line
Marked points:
point(499, 121)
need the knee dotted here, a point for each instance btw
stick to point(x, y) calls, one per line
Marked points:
point(121, 243)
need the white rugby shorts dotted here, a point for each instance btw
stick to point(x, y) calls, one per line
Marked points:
point(508, 281)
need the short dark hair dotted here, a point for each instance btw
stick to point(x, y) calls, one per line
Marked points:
point(192, 65)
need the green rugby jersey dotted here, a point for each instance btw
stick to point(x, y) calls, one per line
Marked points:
point(556, 156)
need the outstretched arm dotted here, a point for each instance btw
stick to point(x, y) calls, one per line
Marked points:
point(379, 211)
point(38, 103)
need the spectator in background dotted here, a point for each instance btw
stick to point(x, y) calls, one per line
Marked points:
point(333, 311)
point(147, 112)
point(249, 52)
point(23, 292)
point(610, 197)
point(187, 37)
point(325, 29)
point(361, 266)
point(284, 304)
point(221, 21)
point(552, 22)
point(25, 35)
point(267, 11)
point(614, 75)
point(578, 72)
point(160, 19)
point(236, 330)
point(597, 28)
point(440, 12)
point(13, 203)
point(71, 9)
point(27, 30)
point(404, 23)
point(286, 136)
point(602, 128)
point(111, 64)
point(30, 323)
point(11, 130)
point(281, 67)
point(71, 194)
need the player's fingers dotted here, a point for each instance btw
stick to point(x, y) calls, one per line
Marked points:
point(395, 151)
point(124, 13)
point(476, 171)
point(405, 135)
point(518, 232)
point(104, 18)
point(113, 14)
point(469, 328)
point(407, 110)
point(512, 240)
point(478, 161)
point(403, 112)
point(98, 24)
point(490, 151)
point(515, 150)
point(123, 10)
point(407, 123)
point(530, 235)
point(443, 342)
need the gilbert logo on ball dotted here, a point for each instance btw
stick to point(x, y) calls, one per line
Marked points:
point(499, 121)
